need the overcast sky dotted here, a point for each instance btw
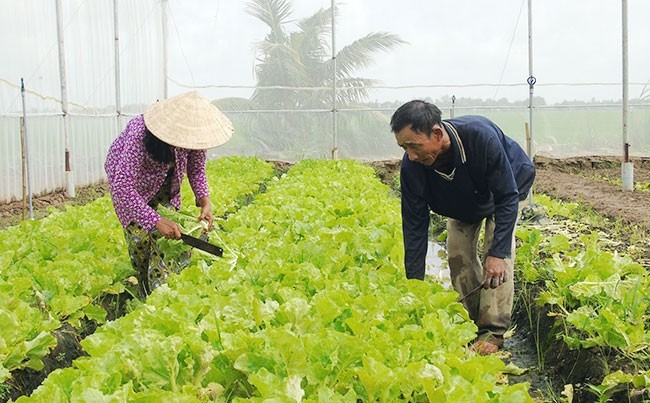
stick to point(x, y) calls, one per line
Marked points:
point(450, 43)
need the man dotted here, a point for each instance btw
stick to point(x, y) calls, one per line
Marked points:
point(465, 169)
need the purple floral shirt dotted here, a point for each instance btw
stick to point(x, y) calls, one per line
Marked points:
point(134, 177)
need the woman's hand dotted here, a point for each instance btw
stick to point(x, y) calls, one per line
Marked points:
point(168, 229)
point(206, 211)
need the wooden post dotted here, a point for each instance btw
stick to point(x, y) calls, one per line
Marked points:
point(529, 147)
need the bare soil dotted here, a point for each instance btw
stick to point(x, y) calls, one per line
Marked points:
point(595, 182)
point(15, 212)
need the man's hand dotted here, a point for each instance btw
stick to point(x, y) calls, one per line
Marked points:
point(169, 229)
point(494, 272)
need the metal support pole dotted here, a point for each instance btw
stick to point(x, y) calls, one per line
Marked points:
point(69, 176)
point(118, 95)
point(531, 78)
point(627, 167)
point(165, 5)
point(335, 146)
point(453, 105)
point(531, 88)
point(27, 188)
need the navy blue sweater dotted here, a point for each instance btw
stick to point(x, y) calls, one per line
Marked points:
point(492, 174)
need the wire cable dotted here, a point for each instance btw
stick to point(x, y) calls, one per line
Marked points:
point(180, 46)
point(512, 40)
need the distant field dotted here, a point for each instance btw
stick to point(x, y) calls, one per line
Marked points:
point(572, 131)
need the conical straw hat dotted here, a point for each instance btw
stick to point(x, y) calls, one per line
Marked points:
point(188, 121)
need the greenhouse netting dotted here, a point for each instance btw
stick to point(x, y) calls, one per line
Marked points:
point(89, 66)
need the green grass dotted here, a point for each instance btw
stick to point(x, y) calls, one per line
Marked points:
point(571, 131)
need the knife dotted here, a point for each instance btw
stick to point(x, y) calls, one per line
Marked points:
point(201, 244)
point(469, 294)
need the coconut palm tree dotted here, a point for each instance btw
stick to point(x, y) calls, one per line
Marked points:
point(294, 73)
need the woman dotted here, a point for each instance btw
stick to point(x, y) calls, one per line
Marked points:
point(145, 167)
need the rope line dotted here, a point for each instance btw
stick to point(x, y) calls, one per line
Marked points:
point(512, 40)
point(396, 87)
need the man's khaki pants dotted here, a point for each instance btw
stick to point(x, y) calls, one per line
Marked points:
point(490, 309)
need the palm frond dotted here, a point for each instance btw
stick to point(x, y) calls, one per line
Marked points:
point(354, 90)
point(359, 53)
point(274, 13)
point(233, 104)
point(311, 42)
point(294, 70)
point(281, 65)
point(318, 24)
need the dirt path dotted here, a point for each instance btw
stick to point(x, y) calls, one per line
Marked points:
point(588, 180)
point(15, 212)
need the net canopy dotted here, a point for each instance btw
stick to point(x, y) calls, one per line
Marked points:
point(301, 81)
